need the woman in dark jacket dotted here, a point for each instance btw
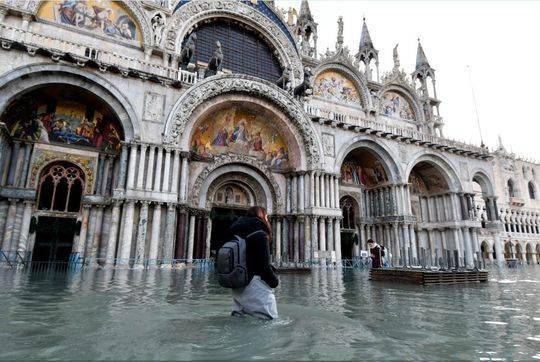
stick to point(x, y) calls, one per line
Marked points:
point(257, 298)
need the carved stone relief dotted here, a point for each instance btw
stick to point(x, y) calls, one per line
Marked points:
point(153, 107)
point(328, 143)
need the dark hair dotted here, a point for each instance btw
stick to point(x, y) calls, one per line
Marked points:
point(260, 213)
point(370, 241)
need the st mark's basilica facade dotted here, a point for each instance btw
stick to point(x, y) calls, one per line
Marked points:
point(132, 133)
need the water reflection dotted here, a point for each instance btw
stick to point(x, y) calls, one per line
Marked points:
point(328, 314)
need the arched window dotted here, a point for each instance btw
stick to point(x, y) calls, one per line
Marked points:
point(244, 50)
point(511, 189)
point(61, 188)
point(532, 191)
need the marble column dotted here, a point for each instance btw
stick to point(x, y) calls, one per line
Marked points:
point(285, 239)
point(184, 178)
point(296, 240)
point(307, 239)
point(467, 243)
point(113, 233)
point(314, 236)
point(288, 194)
point(109, 160)
point(336, 188)
point(327, 191)
point(141, 235)
point(322, 239)
point(414, 246)
point(475, 247)
point(159, 165)
point(167, 170)
point(122, 167)
point(13, 164)
point(25, 226)
point(294, 194)
point(26, 164)
point(150, 169)
point(312, 188)
point(397, 243)
point(337, 241)
point(317, 190)
point(331, 191)
point(175, 171)
point(208, 237)
point(79, 246)
point(155, 234)
point(278, 240)
point(191, 239)
point(168, 243)
point(330, 247)
point(132, 166)
point(301, 193)
point(97, 234)
point(87, 247)
point(127, 235)
point(407, 242)
point(142, 167)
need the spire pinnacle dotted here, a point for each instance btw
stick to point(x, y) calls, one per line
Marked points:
point(421, 59)
point(305, 12)
point(365, 38)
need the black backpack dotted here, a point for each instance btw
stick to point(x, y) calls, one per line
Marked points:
point(231, 263)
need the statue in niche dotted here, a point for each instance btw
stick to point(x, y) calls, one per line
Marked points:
point(158, 24)
point(215, 63)
point(188, 52)
point(285, 81)
point(306, 88)
point(396, 57)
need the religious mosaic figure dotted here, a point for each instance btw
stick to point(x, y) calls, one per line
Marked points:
point(395, 105)
point(239, 131)
point(334, 86)
point(100, 16)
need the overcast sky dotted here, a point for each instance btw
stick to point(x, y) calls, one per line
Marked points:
point(499, 41)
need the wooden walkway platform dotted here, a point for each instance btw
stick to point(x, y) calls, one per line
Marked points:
point(428, 277)
point(293, 270)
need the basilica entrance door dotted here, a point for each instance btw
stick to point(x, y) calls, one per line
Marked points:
point(222, 219)
point(54, 239)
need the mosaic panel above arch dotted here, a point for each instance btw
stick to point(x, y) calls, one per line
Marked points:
point(238, 130)
point(362, 168)
point(335, 86)
point(63, 114)
point(103, 17)
point(395, 105)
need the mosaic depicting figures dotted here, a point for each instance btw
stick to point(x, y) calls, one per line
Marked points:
point(100, 16)
point(240, 131)
point(334, 86)
point(427, 183)
point(358, 173)
point(67, 122)
point(394, 105)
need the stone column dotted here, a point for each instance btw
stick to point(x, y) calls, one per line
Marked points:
point(127, 235)
point(327, 191)
point(154, 236)
point(78, 247)
point(322, 239)
point(467, 243)
point(475, 247)
point(307, 239)
point(13, 164)
point(122, 168)
point(159, 165)
point(278, 239)
point(184, 177)
point(167, 170)
point(288, 194)
point(397, 243)
point(26, 164)
point(323, 190)
point(141, 235)
point(109, 160)
point(175, 171)
point(25, 226)
point(317, 190)
point(301, 193)
point(407, 242)
point(208, 237)
point(296, 240)
point(142, 167)
point(331, 191)
point(150, 171)
point(330, 247)
point(337, 241)
point(191, 239)
point(312, 188)
point(132, 166)
point(414, 246)
point(168, 243)
point(90, 235)
point(113, 233)
point(97, 234)
point(285, 238)
point(336, 188)
point(294, 193)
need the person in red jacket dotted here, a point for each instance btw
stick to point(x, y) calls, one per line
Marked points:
point(376, 254)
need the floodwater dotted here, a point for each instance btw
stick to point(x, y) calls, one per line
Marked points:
point(328, 315)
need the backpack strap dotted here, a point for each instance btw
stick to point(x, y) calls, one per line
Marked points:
point(255, 232)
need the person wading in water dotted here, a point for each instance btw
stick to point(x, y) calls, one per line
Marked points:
point(257, 298)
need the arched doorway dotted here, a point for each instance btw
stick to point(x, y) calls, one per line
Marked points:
point(529, 253)
point(349, 232)
point(508, 250)
point(486, 252)
point(60, 191)
point(519, 252)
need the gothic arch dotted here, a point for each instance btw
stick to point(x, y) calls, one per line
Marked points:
point(188, 15)
point(133, 6)
point(235, 164)
point(407, 93)
point(443, 165)
point(182, 117)
point(352, 74)
point(27, 78)
point(378, 149)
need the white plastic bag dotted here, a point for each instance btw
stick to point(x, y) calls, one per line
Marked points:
point(257, 299)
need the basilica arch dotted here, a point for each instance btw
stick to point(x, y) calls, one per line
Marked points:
point(186, 17)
